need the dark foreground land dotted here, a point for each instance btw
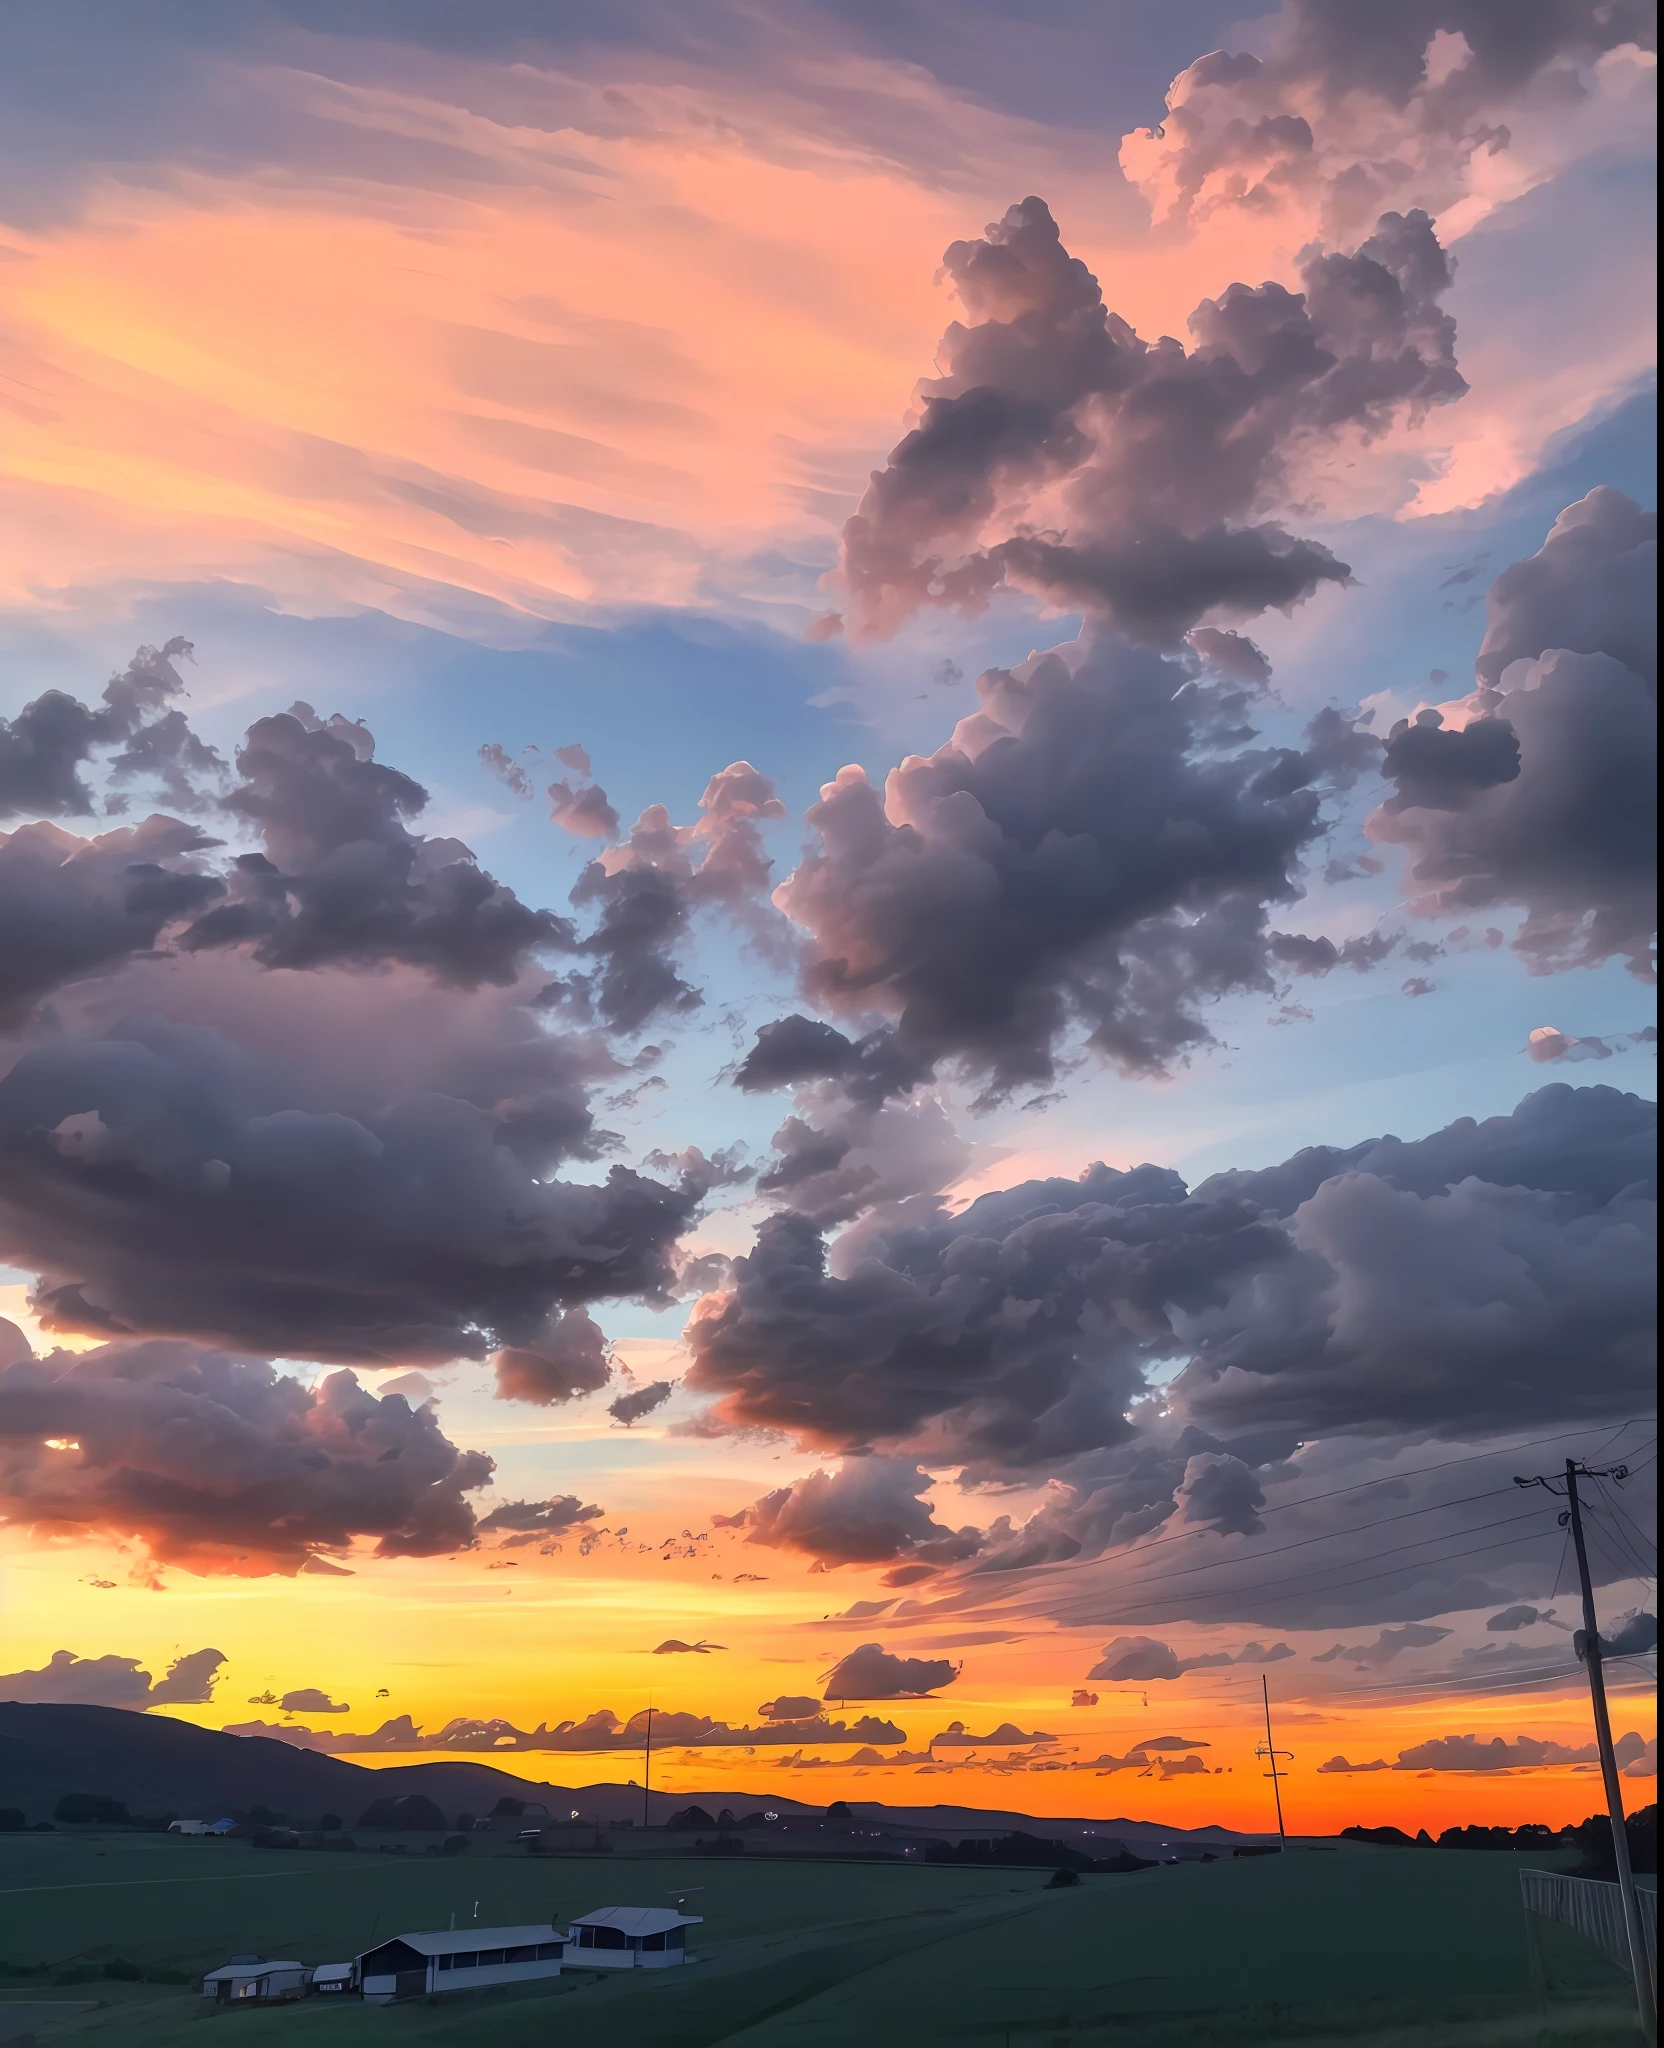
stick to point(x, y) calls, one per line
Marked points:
point(1322, 1945)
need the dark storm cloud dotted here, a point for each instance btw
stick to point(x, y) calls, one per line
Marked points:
point(869, 1511)
point(160, 1178)
point(597, 1733)
point(343, 880)
point(139, 730)
point(1391, 1287)
point(218, 1463)
point(71, 907)
point(1546, 798)
point(71, 1681)
point(873, 1673)
point(1154, 467)
point(1078, 857)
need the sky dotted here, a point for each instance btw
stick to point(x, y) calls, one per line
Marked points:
point(827, 892)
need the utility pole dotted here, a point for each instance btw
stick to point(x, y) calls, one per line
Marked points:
point(1588, 1647)
point(647, 1770)
point(1269, 1750)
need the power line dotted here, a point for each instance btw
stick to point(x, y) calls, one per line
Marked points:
point(1253, 1591)
point(1338, 1492)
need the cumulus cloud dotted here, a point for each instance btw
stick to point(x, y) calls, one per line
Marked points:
point(1392, 1285)
point(527, 1519)
point(1543, 797)
point(137, 728)
point(71, 907)
point(873, 1673)
point(1388, 1645)
point(1084, 858)
point(71, 1681)
point(790, 1707)
point(1500, 1753)
point(1006, 1736)
point(646, 891)
point(1351, 109)
point(160, 1178)
point(1519, 1615)
point(1140, 1659)
point(1339, 1764)
point(598, 1732)
point(309, 1699)
point(344, 881)
point(219, 1463)
point(869, 1511)
point(1059, 453)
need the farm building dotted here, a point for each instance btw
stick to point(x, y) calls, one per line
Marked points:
point(252, 1978)
point(630, 1938)
point(200, 1827)
point(463, 1959)
point(330, 1977)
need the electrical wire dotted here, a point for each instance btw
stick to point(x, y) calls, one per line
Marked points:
point(1253, 1592)
point(1337, 1492)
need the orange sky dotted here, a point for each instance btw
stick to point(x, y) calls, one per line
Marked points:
point(654, 346)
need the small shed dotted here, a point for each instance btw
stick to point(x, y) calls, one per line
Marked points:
point(460, 1959)
point(330, 1977)
point(630, 1938)
point(251, 1980)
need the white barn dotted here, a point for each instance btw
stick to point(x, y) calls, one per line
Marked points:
point(461, 1959)
point(251, 1978)
point(630, 1938)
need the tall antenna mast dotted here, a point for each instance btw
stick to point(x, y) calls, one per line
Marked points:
point(1271, 1753)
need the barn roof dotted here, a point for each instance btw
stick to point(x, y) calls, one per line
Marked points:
point(637, 1919)
point(448, 1941)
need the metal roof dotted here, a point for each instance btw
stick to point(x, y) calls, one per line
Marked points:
point(449, 1940)
point(247, 1970)
point(638, 1919)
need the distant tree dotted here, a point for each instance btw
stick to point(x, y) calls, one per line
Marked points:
point(508, 1809)
point(11, 1820)
point(455, 1844)
point(1060, 1880)
point(691, 1817)
point(1593, 1838)
point(839, 1810)
point(725, 1819)
point(465, 1822)
point(91, 1808)
point(331, 1824)
point(264, 1817)
point(410, 1810)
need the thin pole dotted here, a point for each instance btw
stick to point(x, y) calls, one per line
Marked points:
point(1644, 1996)
point(647, 1769)
point(1271, 1752)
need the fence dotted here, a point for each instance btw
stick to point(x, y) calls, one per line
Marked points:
point(1594, 1909)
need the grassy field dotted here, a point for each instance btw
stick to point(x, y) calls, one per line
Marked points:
point(1350, 1945)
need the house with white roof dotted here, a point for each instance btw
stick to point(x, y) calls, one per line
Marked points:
point(629, 1938)
point(250, 1979)
point(461, 1959)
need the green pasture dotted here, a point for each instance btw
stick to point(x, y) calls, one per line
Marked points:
point(1350, 1944)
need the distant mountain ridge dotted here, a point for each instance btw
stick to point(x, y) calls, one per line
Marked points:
point(156, 1765)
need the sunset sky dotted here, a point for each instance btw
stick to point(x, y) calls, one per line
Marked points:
point(827, 890)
